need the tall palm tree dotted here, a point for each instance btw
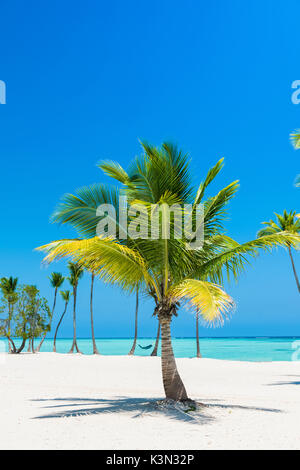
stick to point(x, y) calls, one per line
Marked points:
point(164, 268)
point(155, 349)
point(76, 272)
point(8, 286)
point(95, 349)
point(132, 350)
point(66, 297)
point(287, 222)
point(295, 138)
point(56, 280)
point(197, 335)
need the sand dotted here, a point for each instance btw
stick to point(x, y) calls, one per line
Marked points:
point(56, 401)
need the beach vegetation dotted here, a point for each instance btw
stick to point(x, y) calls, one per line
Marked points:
point(29, 319)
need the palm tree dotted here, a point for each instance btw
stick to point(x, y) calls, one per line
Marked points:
point(132, 350)
point(76, 272)
point(197, 335)
point(295, 138)
point(66, 297)
point(56, 280)
point(95, 349)
point(155, 349)
point(8, 286)
point(164, 268)
point(288, 222)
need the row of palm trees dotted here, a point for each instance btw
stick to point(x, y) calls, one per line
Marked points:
point(56, 280)
point(164, 269)
point(75, 274)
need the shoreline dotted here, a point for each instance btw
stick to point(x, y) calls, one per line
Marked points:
point(99, 356)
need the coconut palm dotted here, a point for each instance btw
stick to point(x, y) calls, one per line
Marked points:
point(8, 286)
point(288, 222)
point(295, 138)
point(95, 349)
point(132, 350)
point(155, 349)
point(56, 280)
point(163, 267)
point(197, 335)
point(66, 297)
point(76, 272)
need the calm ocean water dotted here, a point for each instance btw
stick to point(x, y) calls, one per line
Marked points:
point(241, 349)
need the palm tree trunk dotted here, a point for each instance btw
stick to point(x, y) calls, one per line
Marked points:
point(173, 385)
point(74, 344)
point(197, 334)
point(8, 326)
point(41, 342)
point(154, 352)
point(45, 334)
point(58, 325)
point(95, 350)
point(294, 269)
point(131, 352)
point(20, 349)
point(12, 347)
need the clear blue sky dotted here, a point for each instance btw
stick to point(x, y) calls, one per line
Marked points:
point(86, 80)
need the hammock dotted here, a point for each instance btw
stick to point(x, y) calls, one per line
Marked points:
point(145, 347)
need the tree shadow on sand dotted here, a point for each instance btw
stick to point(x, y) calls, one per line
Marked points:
point(136, 407)
point(285, 383)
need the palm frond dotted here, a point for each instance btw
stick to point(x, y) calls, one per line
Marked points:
point(115, 170)
point(213, 303)
point(65, 294)
point(215, 209)
point(212, 173)
point(106, 258)
point(235, 257)
point(80, 209)
point(295, 139)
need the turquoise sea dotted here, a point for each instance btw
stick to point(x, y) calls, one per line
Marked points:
point(240, 349)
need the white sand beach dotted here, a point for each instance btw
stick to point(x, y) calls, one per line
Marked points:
point(55, 401)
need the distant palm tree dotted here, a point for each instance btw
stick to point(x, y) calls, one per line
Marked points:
point(131, 352)
point(197, 334)
point(95, 349)
point(155, 349)
point(288, 222)
point(66, 297)
point(295, 138)
point(76, 272)
point(56, 280)
point(8, 286)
